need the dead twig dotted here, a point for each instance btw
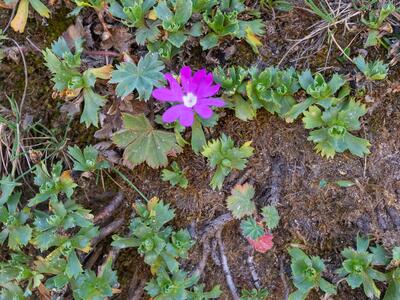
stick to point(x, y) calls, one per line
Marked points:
point(107, 211)
point(284, 281)
point(276, 181)
point(215, 225)
point(107, 230)
point(139, 290)
point(225, 266)
point(203, 262)
point(253, 271)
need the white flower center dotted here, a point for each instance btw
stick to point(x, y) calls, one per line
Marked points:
point(189, 100)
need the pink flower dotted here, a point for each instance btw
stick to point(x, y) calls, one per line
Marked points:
point(194, 96)
point(263, 243)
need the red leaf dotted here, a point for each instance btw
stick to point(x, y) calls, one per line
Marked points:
point(263, 243)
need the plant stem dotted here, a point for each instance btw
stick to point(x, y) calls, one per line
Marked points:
point(126, 179)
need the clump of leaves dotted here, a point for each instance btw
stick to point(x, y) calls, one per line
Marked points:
point(332, 129)
point(375, 70)
point(159, 244)
point(87, 160)
point(225, 157)
point(20, 19)
point(143, 143)
point(321, 93)
point(56, 237)
point(64, 216)
point(14, 223)
point(273, 89)
point(307, 275)
point(358, 267)
point(241, 205)
point(254, 294)
point(175, 176)
point(141, 77)
point(221, 24)
point(90, 286)
point(375, 22)
point(233, 84)
point(15, 273)
point(224, 22)
point(135, 14)
point(174, 18)
point(70, 82)
point(52, 184)
point(393, 277)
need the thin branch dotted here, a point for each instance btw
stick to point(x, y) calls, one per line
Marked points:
point(253, 271)
point(107, 230)
point(107, 211)
point(225, 267)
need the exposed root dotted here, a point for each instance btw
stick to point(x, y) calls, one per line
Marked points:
point(203, 262)
point(253, 271)
point(107, 230)
point(215, 225)
point(225, 267)
point(284, 280)
point(214, 253)
point(107, 211)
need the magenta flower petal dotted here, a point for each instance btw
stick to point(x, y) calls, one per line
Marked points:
point(218, 102)
point(186, 119)
point(180, 112)
point(204, 111)
point(207, 91)
point(173, 83)
point(186, 78)
point(165, 94)
point(194, 94)
point(173, 113)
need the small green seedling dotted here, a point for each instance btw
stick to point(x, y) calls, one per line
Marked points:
point(273, 89)
point(375, 70)
point(135, 14)
point(307, 275)
point(358, 267)
point(175, 176)
point(87, 160)
point(52, 184)
point(375, 21)
point(321, 93)
point(70, 82)
point(14, 227)
point(221, 24)
point(233, 84)
point(159, 245)
point(225, 157)
point(332, 127)
point(254, 294)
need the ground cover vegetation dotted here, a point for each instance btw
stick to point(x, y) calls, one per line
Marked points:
point(147, 89)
